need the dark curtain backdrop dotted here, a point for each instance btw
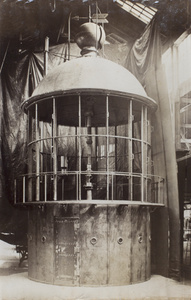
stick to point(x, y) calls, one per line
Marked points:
point(21, 73)
point(144, 61)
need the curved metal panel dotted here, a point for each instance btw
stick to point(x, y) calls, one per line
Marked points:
point(87, 74)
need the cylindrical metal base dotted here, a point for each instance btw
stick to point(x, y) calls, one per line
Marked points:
point(89, 245)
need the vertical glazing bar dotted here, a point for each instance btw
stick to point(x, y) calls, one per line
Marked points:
point(77, 186)
point(45, 187)
point(76, 153)
point(80, 146)
point(112, 187)
point(116, 166)
point(149, 160)
point(96, 154)
point(30, 158)
point(37, 154)
point(23, 189)
point(130, 150)
point(142, 153)
point(107, 144)
point(55, 148)
point(146, 153)
point(41, 146)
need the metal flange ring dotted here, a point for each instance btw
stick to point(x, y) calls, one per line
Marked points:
point(120, 240)
point(93, 240)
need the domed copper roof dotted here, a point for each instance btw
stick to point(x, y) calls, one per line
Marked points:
point(90, 75)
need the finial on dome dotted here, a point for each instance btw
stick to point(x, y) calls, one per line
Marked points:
point(90, 38)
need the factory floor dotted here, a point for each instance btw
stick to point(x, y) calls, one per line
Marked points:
point(15, 285)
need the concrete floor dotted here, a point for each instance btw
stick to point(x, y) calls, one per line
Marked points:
point(15, 285)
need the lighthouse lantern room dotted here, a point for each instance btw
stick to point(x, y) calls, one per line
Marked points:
point(89, 186)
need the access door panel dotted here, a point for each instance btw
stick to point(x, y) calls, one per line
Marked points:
point(66, 251)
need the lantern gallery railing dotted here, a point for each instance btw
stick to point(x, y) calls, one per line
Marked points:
point(69, 187)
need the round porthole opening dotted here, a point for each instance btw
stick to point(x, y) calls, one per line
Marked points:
point(93, 240)
point(140, 238)
point(120, 240)
point(43, 239)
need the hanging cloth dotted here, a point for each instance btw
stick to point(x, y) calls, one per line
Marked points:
point(144, 61)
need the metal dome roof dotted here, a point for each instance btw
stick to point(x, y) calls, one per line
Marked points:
point(87, 75)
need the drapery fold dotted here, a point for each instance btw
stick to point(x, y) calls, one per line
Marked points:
point(144, 61)
point(145, 53)
point(20, 76)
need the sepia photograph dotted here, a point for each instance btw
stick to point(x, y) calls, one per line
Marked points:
point(95, 158)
